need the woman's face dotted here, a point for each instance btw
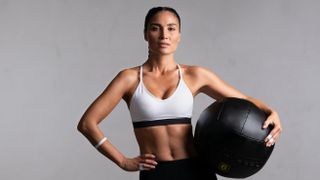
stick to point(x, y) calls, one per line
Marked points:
point(163, 33)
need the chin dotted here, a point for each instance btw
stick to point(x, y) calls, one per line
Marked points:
point(165, 52)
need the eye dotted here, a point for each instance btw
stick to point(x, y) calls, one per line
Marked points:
point(171, 29)
point(154, 28)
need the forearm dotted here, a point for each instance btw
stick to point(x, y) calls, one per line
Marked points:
point(94, 135)
point(261, 105)
point(108, 150)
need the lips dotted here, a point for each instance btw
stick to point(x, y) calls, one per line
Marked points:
point(164, 44)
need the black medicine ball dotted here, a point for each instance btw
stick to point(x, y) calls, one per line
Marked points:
point(230, 140)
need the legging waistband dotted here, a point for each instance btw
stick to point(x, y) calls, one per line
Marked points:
point(182, 169)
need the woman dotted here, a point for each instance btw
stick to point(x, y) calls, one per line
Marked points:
point(159, 95)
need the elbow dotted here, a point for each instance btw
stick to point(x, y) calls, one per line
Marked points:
point(83, 127)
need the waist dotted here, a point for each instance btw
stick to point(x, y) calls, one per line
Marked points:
point(189, 159)
point(168, 142)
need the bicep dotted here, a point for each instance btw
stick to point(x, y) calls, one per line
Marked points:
point(107, 100)
point(215, 87)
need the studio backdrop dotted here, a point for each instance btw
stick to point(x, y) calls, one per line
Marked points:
point(57, 56)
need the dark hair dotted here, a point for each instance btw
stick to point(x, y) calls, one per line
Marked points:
point(153, 11)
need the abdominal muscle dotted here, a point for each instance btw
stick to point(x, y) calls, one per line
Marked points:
point(166, 142)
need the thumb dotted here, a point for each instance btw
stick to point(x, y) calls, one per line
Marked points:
point(267, 123)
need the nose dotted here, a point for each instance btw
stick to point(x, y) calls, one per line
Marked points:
point(164, 34)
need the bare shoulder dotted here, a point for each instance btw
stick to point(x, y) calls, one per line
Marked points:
point(128, 78)
point(128, 75)
point(121, 84)
point(209, 83)
point(196, 71)
point(194, 77)
point(199, 74)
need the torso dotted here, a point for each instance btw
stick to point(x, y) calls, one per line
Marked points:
point(166, 142)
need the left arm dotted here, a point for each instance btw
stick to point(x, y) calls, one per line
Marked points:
point(216, 88)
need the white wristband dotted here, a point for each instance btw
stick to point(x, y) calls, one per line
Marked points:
point(100, 142)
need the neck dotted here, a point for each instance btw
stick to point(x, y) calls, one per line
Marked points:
point(160, 63)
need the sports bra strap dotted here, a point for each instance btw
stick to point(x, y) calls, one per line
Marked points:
point(180, 76)
point(141, 73)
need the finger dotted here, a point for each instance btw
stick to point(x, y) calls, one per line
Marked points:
point(143, 166)
point(267, 122)
point(272, 138)
point(149, 156)
point(276, 137)
point(270, 142)
point(150, 161)
point(274, 131)
point(270, 135)
point(149, 166)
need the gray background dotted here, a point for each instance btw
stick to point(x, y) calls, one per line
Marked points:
point(58, 56)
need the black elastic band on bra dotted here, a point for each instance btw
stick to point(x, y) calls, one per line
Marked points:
point(141, 124)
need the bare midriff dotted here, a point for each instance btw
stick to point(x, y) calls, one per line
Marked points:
point(166, 142)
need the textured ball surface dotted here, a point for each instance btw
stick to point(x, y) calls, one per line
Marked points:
point(230, 140)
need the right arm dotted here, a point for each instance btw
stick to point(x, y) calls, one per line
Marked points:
point(98, 110)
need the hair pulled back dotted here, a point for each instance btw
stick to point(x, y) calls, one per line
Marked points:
point(153, 11)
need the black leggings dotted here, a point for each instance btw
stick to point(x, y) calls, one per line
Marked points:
point(184, 169)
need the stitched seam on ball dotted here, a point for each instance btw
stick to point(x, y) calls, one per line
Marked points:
point(248, 137)
point(248, 111)
point(220, 112)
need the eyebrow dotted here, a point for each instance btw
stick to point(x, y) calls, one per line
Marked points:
point(170, 24)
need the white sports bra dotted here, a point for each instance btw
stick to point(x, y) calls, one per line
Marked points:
point(149, 110)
